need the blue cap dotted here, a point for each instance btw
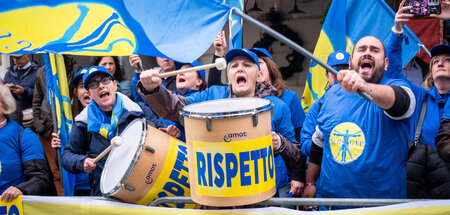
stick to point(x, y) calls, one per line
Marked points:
point(338, 58)
point(178, 66)
point(78, 76)
point(241, 52)
point(93, 71)
point(440, 49)
point(261, 51)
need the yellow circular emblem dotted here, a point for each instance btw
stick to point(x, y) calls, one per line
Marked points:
point(347, 142)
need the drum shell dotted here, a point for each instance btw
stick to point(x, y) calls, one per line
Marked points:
point(152, 169)
point(196, 130)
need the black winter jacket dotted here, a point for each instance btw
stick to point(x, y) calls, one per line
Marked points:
point(426, 174)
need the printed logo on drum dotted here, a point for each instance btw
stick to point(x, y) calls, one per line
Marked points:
point(230, 136)
point(148, 178)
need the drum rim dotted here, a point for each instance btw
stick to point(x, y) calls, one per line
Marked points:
point(228, 114)
point(133, 163)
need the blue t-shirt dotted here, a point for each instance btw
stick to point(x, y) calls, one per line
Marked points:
point(365, 151)
point(13, 155)
point(309, 127)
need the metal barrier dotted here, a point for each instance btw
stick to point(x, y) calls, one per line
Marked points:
point(296, 202)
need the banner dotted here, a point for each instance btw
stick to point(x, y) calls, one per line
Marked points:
point(178, 29)
point(12, 207)
point(55, 73)
point(348, 21)
point(40, 205)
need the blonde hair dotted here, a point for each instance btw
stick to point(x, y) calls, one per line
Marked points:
point(7, 100)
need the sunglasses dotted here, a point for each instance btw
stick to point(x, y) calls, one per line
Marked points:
point(95, 83)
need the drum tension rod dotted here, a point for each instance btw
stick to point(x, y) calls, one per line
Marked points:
point(208, 124)
point(150, 149)
point(129, 188)
point(255, 120)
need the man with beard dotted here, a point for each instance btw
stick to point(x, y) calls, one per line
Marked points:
point(362, 144)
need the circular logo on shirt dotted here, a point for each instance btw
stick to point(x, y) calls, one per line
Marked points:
point(347, 142)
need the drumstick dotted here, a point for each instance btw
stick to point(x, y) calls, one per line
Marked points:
point(220, 63)
point(116, 141)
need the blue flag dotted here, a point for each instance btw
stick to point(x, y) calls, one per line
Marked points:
point(178, 29)
point(346, 23)
point(235, 24)
point(56, 80)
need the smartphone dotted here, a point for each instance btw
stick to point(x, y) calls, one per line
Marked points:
point(423, 7)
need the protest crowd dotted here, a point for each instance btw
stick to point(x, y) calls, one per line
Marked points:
point(396, 146)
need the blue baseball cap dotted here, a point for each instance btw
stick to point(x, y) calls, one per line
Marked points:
point(78, 76)
point(202, 73)
point(261, 51)
point(338, 58)
point(93, 71)
point(241, 52)
point(440, 49)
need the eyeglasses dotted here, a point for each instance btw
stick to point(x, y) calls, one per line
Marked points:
point(95, 83)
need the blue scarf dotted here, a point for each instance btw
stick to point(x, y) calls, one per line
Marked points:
point(98, 122)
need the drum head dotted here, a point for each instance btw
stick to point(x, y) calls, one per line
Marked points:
point(120, 158)
point(227, 108)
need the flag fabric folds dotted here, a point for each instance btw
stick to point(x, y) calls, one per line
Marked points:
point(178, 29)
point(56, 80)
point(347, 21)
point(235, 24)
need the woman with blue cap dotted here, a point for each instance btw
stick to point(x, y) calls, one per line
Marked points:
point(243, 73)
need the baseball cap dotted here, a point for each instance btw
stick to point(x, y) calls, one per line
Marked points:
point(338, 58)
point(241, 52)
point(261, 51)
point(178, 66)
point(95, 70)
point(78, 76)
point(440, 49)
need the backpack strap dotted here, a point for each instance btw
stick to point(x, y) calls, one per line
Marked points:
point(418, 131)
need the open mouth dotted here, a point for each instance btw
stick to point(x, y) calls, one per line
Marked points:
point(366, 65)
point(87, 99)
point(181, 79)
point(241, 80)
point(104, 95)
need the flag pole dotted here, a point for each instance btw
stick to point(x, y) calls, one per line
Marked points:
point(291, 44)
point(55, 128)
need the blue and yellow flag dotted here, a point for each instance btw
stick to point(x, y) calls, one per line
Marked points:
point(178, 29)
point(56, 80)
point(235, 24)
point(347, 22)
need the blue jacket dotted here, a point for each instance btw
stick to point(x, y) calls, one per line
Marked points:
point(297, 114)
point(435, 101)
point(81, 143)
point(26, 79)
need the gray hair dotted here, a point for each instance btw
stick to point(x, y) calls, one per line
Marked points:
point(7, 100)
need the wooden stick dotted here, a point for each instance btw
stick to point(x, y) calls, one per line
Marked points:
point(115, 141)
point(220, 64)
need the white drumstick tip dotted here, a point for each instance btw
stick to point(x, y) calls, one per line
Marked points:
point(116, 141)
point(221, 63)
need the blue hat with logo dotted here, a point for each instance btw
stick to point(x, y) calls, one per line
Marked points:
point(338, 58)
point(241, 52)
point(78, 76)
point(440, 49)
point(202, 73)
point(261, 51)
point(93, 71)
